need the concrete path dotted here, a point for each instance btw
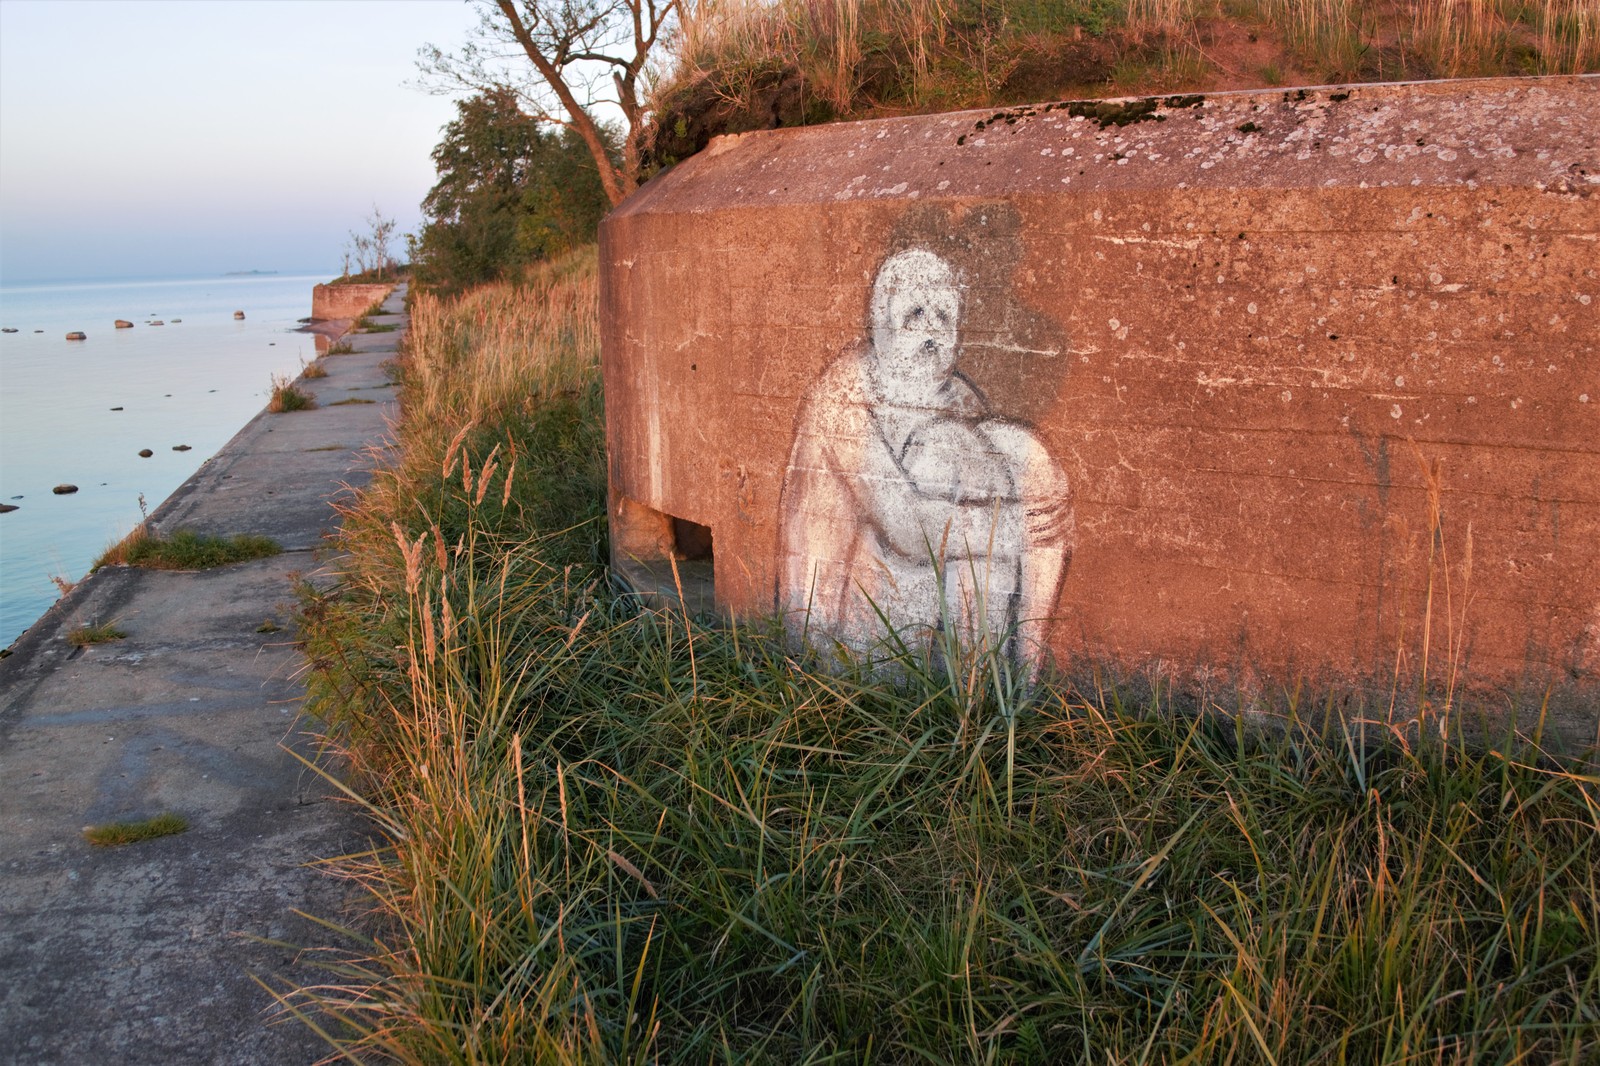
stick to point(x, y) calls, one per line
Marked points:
point(151, 952)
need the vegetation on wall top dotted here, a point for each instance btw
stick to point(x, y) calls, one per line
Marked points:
point(742, 65)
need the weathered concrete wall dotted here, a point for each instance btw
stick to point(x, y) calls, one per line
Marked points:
point(1252, 389)
point(346, 301)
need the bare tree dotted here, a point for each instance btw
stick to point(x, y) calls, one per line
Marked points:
point(370, 248)
point(380, 233)
point(586, 54)
point(355, 248)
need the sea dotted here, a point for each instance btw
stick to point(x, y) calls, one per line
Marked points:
point(79, 412)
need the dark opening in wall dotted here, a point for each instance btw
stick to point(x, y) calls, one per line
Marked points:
point(692, 540)
point(662, 557)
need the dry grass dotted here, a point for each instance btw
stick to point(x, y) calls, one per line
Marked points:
point(102, 633)
point(861, 58)
point(543, 335)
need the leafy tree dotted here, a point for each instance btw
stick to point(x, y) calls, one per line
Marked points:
point(585, 54)
point(509, 193)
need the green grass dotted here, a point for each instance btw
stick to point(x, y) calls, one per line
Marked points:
point(115, 834)
point(365, 323)
point(340, 347)
point(186, 550)
point(349, 400)
point(622, 836)
point(287, 396)
point(103, 633)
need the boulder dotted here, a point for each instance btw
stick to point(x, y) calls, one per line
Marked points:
point(64, 490)
point(123, 323)
point(9, 329)
point(238, 314)
point(7, 508)
point(145, 453)
point(157, 322)
point(181, 448)
point(77, 335)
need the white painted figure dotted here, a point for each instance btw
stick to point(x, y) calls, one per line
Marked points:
point(905, 495)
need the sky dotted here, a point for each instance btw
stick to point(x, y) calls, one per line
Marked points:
point(142, 138)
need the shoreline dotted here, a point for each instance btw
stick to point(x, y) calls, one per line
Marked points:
point(194, 711)
point(129, 414)
point(331, 330)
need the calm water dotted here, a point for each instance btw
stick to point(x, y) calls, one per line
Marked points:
point(194, 382)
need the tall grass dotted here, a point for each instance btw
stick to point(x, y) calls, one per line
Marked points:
point(620, 836)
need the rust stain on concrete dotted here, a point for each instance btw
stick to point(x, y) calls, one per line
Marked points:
point(1295, 385)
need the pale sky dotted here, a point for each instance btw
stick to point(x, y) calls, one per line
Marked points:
point(144, 138)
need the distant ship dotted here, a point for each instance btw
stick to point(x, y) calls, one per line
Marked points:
point(247, 273)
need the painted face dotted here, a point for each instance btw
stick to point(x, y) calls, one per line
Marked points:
point(916, 317)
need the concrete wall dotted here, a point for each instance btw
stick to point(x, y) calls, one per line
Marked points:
point(1236, 392)
point(346, 301)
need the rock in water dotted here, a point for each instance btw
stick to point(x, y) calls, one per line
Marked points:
point(64, 490)
point(77, 335)
point(145, 453)
point(7, 508)
point(158, 322)
point(9, 329)
point(123, 323)
point(238, 314)
point(180, 447)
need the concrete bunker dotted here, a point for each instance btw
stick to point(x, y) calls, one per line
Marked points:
point(1299, 387)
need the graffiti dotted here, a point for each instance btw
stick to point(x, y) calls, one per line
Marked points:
point(906, 498)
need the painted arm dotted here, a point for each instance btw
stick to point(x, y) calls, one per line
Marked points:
point(913, 525)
